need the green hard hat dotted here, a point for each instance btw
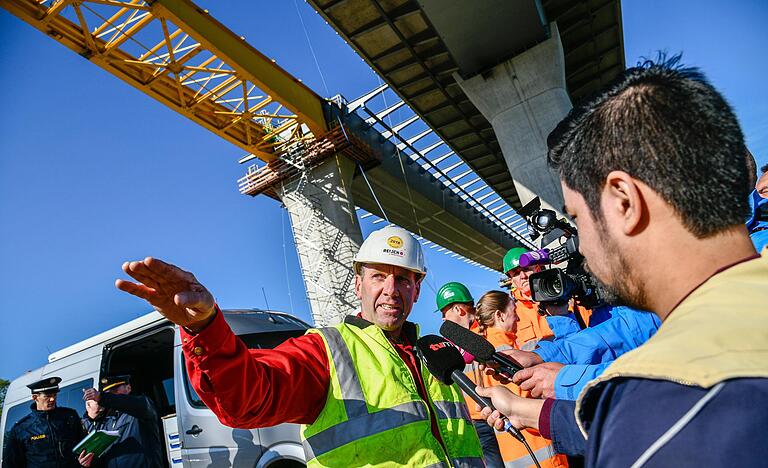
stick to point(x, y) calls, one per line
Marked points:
point(512, 258)
point(452, 292)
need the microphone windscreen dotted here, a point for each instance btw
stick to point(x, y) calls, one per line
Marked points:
point(440, 357)
point(534, 257)
point(468, 340)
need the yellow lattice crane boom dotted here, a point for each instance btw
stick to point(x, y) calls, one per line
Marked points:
point(177, 53)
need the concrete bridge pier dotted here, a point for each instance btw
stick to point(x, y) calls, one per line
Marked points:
point(524, 98)
point(327, 235)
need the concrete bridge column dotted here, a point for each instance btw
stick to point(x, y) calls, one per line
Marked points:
point(524, 98)
point(327, 235)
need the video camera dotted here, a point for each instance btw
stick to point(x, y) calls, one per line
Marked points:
point(556, 285)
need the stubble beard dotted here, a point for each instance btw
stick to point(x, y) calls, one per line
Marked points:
point(624, 288)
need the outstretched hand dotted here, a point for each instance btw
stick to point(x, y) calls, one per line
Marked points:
point(173, 292)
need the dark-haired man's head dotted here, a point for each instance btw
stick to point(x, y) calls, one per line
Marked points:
point(762, 182)
point(658, 157)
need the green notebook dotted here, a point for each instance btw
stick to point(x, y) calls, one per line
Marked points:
point(96, 442)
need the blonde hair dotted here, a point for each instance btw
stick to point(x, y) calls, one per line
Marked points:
point(487, 306)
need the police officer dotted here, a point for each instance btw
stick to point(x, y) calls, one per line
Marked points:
point(135, 417)
point(45, 437)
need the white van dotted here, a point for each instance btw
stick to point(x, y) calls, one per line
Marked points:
point(149, 349)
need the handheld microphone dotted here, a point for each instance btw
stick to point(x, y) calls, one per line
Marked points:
point(478, 346)
point(444, 361)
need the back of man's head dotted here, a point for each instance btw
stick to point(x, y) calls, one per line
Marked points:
point(666, 126)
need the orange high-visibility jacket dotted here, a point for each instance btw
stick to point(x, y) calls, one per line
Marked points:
point(532, 326)
point(512, 451)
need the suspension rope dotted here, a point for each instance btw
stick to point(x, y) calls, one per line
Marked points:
point(311, 49)
point(383, 213)
point(373, 194)
point(402, 167)
point(285, 259)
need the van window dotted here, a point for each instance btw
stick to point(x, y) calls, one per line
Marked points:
point(14, 414)
point(70, 396)
point(192, 396)
point(268, 340)
point(168, 389)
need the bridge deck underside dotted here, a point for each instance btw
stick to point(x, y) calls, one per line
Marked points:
point(400, 42)
point(436, 214)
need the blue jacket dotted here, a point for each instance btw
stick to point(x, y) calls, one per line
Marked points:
point(135, 417)
point(758, 225)
point(616, 440)
point(566, 325)
point(587, 353)
point(43, 439)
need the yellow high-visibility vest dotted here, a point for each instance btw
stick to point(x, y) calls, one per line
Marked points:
point(373, 414)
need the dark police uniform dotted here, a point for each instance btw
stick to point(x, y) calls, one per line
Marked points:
point(44, 439)
point(136, 419)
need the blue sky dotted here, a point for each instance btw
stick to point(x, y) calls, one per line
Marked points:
point(93, 172)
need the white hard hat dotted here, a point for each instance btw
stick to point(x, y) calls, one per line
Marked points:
point(391, 246)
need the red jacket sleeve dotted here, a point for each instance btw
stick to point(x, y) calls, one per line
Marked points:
point(257, 388)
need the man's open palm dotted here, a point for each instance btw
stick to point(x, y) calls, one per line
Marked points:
point(173, 292)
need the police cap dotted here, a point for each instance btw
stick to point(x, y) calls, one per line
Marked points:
point(47, 385)
point(108, 383)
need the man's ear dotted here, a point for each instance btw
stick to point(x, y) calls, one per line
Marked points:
point(418, 289)
point(623, 203)
point(358, 285)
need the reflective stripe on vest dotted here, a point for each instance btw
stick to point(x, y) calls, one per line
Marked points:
point(354, 399)
point(467, 462)
point(350, 427)
point(352, 430)
point(542, 454)
point(513, 453)
point(354, 403)
point(451, 410)
point(530, 345)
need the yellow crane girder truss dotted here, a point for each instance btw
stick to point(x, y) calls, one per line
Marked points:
point(178, 54)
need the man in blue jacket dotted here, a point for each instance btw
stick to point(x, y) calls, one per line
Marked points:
point(134, 416)
point(762, 182)
point(46, 437)
point(757, 224)
point(561, 368)
point(654, 177)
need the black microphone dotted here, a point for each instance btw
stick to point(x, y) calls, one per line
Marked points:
point(479, 347)
point(444, 361)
